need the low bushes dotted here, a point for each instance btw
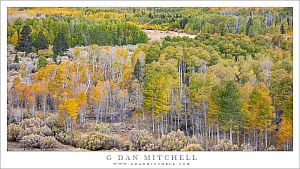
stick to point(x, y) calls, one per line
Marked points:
point(46, 131)
point(174, 141)
point(247, 147)
point(33, 122)
point(101, 128)
point(96, 141)
point(31, 141)
point(64, 137)
point(32, 133)
point(193, 147)
point(31, 130)
point(225, 145)
point(48, 143)
point(36, 141)
point(38, 134)
point(143, 141)
point(28, 127)
point(14, 132)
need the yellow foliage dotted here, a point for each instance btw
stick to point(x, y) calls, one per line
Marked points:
point(96, 93)
point(285, 131)
point(14, 38)
point(122, 53)
point(81, 99)
point(70, 107)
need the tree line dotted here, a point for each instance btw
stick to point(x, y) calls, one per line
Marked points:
point(35, 34)
point(250, 21)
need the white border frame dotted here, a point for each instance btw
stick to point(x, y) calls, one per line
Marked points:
point(98, 159)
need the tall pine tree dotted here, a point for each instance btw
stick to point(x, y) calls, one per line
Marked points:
point(41, 41)
point(137, 72)
point(25, 40)
point(60, 43)
point(229, 103)
point(249, 24)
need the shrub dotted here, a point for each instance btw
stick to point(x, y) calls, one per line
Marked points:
point(143, 141)
point(33, 122)
point(101, 128)
point(13, 132)
point(31, 130)
point(193, 147)
point(31, 141)
point(225, 145)
point(68, 138)
point(96, 141)
point(51, 121)
point(48, 143)
point(127, 146)
point(271, 148)
point(247, 147)
point(114, 149)
point(46, 131)
point(14, 116)
point(192, 140)
point(64, 137)
point(174, 141)
point(48, 53)
point(116, 142)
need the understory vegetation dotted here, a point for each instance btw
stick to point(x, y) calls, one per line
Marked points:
point(89, 78)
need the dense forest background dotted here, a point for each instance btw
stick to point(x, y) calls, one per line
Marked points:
point(92, 78)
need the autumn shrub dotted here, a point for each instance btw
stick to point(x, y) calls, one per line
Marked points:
point(14, 132)
point(127, 146)
point(101, 128)
point(68, 138)
point(192, 140)
point(27, 114)
point(51, 121)
point(64, 137)
point(116, 142)
point(193, 147)
point(271, 148)
point(225, 145)
point(14, 116)
point(96, 141)
point(32, 122)
point(35, 126)
point(114, 149)
point(247, 147)
point(31, 130)
point(31, 141)
point(48, 143)
point(143, 141)
point(76, 139)
point(45, 131)
point(48, 53)
point(174, 141)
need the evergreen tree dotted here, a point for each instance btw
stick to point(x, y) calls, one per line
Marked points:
point(60, 43)
point(152, 53)
point(137, 72)
point(229, 102)
point(54, 58)
point(41, 41)
point(183, 22)
point(25, 40)
point(282, 31)
point(249, 24)
point(42, 62)
point(16, 59)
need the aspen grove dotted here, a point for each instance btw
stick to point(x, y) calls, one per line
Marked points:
point(90, 78)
